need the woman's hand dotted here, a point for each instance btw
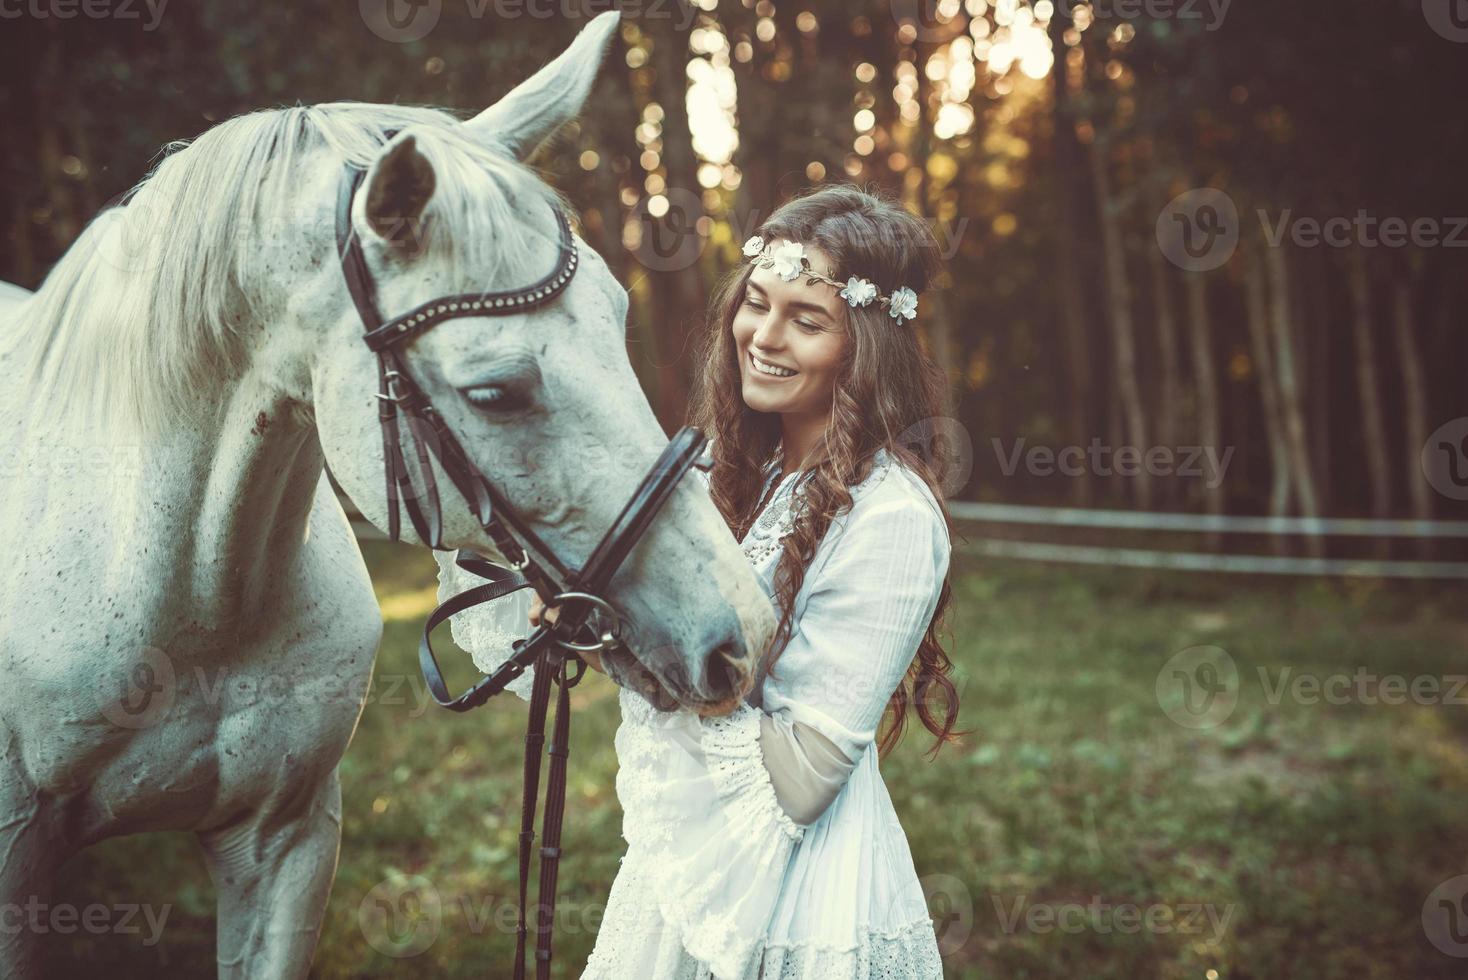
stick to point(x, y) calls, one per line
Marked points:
point(538, 612)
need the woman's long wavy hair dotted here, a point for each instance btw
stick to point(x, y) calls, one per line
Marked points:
point(886, 384)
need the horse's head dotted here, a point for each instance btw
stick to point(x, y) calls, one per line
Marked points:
point(543, 401)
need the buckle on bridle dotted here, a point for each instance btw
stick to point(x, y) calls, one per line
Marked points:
point(390, 379)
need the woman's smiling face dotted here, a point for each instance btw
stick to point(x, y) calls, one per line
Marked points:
point(790, 337)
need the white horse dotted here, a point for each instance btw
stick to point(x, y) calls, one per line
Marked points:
point(171, 394)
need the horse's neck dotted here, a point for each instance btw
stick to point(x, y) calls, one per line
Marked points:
point(251, 502)
point(215, 513)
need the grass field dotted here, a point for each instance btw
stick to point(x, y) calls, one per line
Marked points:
point(1079, 831)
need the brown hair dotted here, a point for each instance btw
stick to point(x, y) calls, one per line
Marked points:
point(885, 385)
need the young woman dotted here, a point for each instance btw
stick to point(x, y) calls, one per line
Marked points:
point(763, 843)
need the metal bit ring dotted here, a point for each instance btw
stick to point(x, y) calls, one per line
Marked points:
point(609, 637)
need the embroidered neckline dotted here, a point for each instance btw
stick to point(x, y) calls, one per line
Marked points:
point(777, 519)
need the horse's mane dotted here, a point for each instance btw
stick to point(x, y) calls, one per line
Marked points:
point(145, 307)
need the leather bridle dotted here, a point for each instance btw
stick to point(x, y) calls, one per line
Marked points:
point(586, 621)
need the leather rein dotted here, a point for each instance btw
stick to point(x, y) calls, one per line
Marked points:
point(586, 622)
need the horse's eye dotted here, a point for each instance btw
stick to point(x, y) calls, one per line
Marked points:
point(494, 398)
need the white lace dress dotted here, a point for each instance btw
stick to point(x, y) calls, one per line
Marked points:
point(719, 880)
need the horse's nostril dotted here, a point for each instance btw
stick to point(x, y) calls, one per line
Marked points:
point(724, 674)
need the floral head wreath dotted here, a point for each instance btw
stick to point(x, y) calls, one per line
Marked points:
point(790, 262)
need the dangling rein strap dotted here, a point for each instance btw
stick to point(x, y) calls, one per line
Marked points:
point(553, 663)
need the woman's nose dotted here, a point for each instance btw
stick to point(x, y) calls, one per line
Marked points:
point(767, 335)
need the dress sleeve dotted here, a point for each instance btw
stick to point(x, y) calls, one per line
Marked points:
point(722, 841)
point(867, 610)
point(734, 794)
point(486, 631)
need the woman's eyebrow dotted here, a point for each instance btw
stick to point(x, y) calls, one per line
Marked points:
point(797, 303)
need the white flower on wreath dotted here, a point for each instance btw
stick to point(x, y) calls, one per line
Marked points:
point(788, 257)
point(858, 292)
point(902, 304)
point(753, 247)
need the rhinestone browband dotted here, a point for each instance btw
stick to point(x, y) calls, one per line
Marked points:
point(429, 314)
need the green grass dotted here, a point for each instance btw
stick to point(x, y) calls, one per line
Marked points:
point(1313, 833)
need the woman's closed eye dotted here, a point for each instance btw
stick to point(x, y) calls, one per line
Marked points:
point(809, 326)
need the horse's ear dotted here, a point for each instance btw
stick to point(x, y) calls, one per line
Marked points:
point(538, 106)
point(399, 186)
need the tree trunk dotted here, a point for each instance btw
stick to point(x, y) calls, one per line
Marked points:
point(1277, 263)
point(1257, 315)
point(1119, 304)
point(1075, 340)
point(1414, 411)
point(1373, 425)
point(678, 297)
point(1313, 352)
point(1169, 409)
point(1210, 429)
point(938, 328)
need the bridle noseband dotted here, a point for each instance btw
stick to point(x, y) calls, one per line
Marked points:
point(587, 622)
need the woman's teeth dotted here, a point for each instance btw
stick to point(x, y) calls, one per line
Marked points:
point(775, 372)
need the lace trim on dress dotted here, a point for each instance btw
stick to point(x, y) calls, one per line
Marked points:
point(637, 944)
point(731, 749)
point(694, 903)
point(640, 756)
point(776, 520)
point(907, 954)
